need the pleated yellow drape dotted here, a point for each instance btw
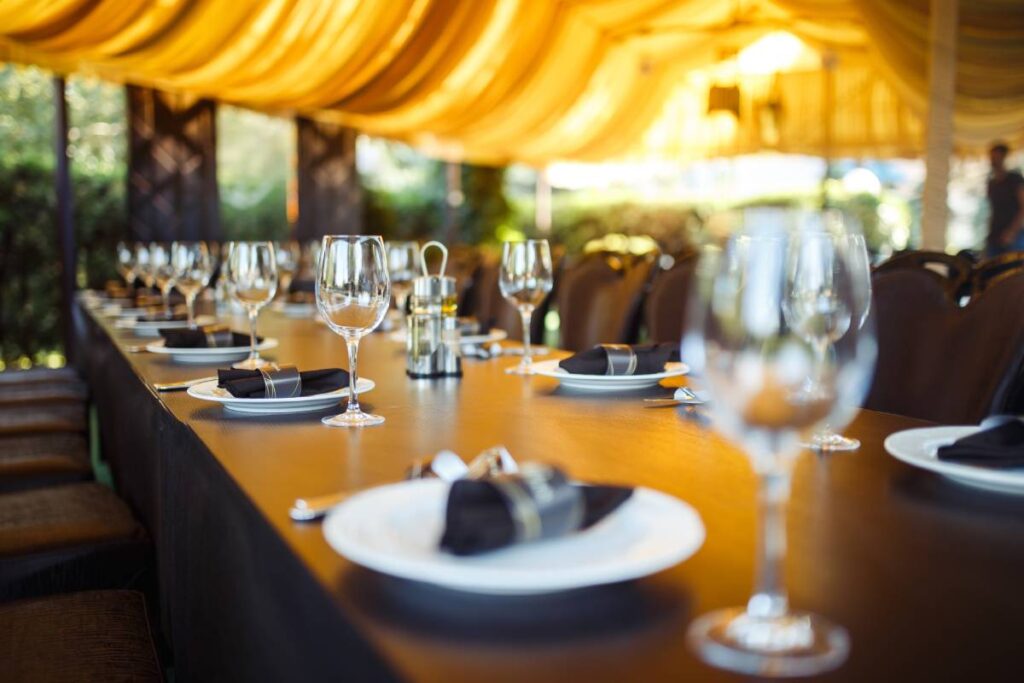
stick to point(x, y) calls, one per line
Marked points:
point(500, 80)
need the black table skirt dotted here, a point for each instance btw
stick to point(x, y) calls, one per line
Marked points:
point(235, 603)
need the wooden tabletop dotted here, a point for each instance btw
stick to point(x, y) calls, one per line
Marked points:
point(926, 575)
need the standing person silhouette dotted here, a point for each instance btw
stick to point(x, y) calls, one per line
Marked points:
point(1006, 204)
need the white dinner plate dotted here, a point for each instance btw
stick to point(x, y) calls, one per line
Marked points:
point(204, 355)
point(151, 328)
point(919, 447)
point(208, 391)
point(396, 529)
point(294, 310)
point(549, 368)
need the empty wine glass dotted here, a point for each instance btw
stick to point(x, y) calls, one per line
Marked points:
point(526, 278)
point(403, 267)
point(820, 334)
point(192, 270)
point(353, 293)
point(163, 272)
point(252, 281)
point(756, 361)
point(126, 262)
point(287, 254)
point(143, 265)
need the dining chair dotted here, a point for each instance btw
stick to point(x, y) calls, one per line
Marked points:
point(953, 272)
point(85, 636)
point(940, 361)
point(75, 536)
point(600, 300)
point(666, 302)
point(990, 271)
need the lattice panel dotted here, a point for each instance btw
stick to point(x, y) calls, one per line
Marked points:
point(330, 196)
point(172, 177)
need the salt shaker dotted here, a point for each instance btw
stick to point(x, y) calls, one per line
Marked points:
point(432, 340)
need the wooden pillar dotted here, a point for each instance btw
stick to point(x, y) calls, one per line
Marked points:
point(939, 124)
point(453, 199)
point(330, 194)
point(542, 201)
point(172, 167)
point(65, 217)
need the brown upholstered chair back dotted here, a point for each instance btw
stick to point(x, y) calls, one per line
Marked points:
point(952, 272)
point(938, 361)
point(992, 270)
point(599, 303)
point(666, 304)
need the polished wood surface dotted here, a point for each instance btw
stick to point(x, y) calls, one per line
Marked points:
point(927, 576)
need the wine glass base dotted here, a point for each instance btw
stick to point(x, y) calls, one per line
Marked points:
point(796, 644)
point(829, 442)
point(356, 419)
point(250, 364)
point(520, 370)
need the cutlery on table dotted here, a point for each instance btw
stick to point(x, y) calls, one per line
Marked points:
point(180, 386)
point(682, 396)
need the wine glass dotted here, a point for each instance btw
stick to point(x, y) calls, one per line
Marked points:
point(163, 272)
point(403, 266)
point(126, 263)
point(818, 327)
point(192, 270)
point(526, 278)
point(287, 254)
point(143, 265)
point(756, 362)
point(252, 281)
point(353, 293)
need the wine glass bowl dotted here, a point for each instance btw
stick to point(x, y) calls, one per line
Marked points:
point(353, 294)
point(525, 279)
point(403, 267)
point(126, 263)
point(252, 281)
point(777, 299)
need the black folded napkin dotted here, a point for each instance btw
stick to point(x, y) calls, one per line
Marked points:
point(508, 509)
point(649, 359)
point(251, 383)
point(1001, 446)
point(302, 285)
point(162, 317)
point(209, 337)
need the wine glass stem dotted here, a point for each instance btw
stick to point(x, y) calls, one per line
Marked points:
point(253, 353)
point(526, 312)
point(190, 303)
point(165, 292)
point(769, 599)
point(353, 353)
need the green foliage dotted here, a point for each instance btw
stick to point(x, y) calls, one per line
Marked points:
point(576, 221)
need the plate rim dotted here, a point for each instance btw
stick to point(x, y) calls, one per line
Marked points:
point(159, 348)
point(956, 470)
point(489, 579)
point(539, 368)
point(366, 383)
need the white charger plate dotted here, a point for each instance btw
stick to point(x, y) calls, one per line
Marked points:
point(549, 368)
point(208, 391)
point(152, 328)
point(205, 355)
point(396, 529)
point(294, 310)
point(919, 448)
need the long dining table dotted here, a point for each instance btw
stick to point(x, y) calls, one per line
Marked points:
point(925, 574)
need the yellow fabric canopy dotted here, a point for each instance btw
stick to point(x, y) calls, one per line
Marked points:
point(541, 80)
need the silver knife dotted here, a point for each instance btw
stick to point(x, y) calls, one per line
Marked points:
point(180, 386)
point(315, 507)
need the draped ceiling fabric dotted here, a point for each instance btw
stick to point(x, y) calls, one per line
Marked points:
point(542, 80)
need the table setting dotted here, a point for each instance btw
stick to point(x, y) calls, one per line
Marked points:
point(498, 526)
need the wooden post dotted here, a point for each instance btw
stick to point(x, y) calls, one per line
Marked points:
point(65, 217)
point(453, 199)
point(330, 195)
point(542, 197)
point(939, 124)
